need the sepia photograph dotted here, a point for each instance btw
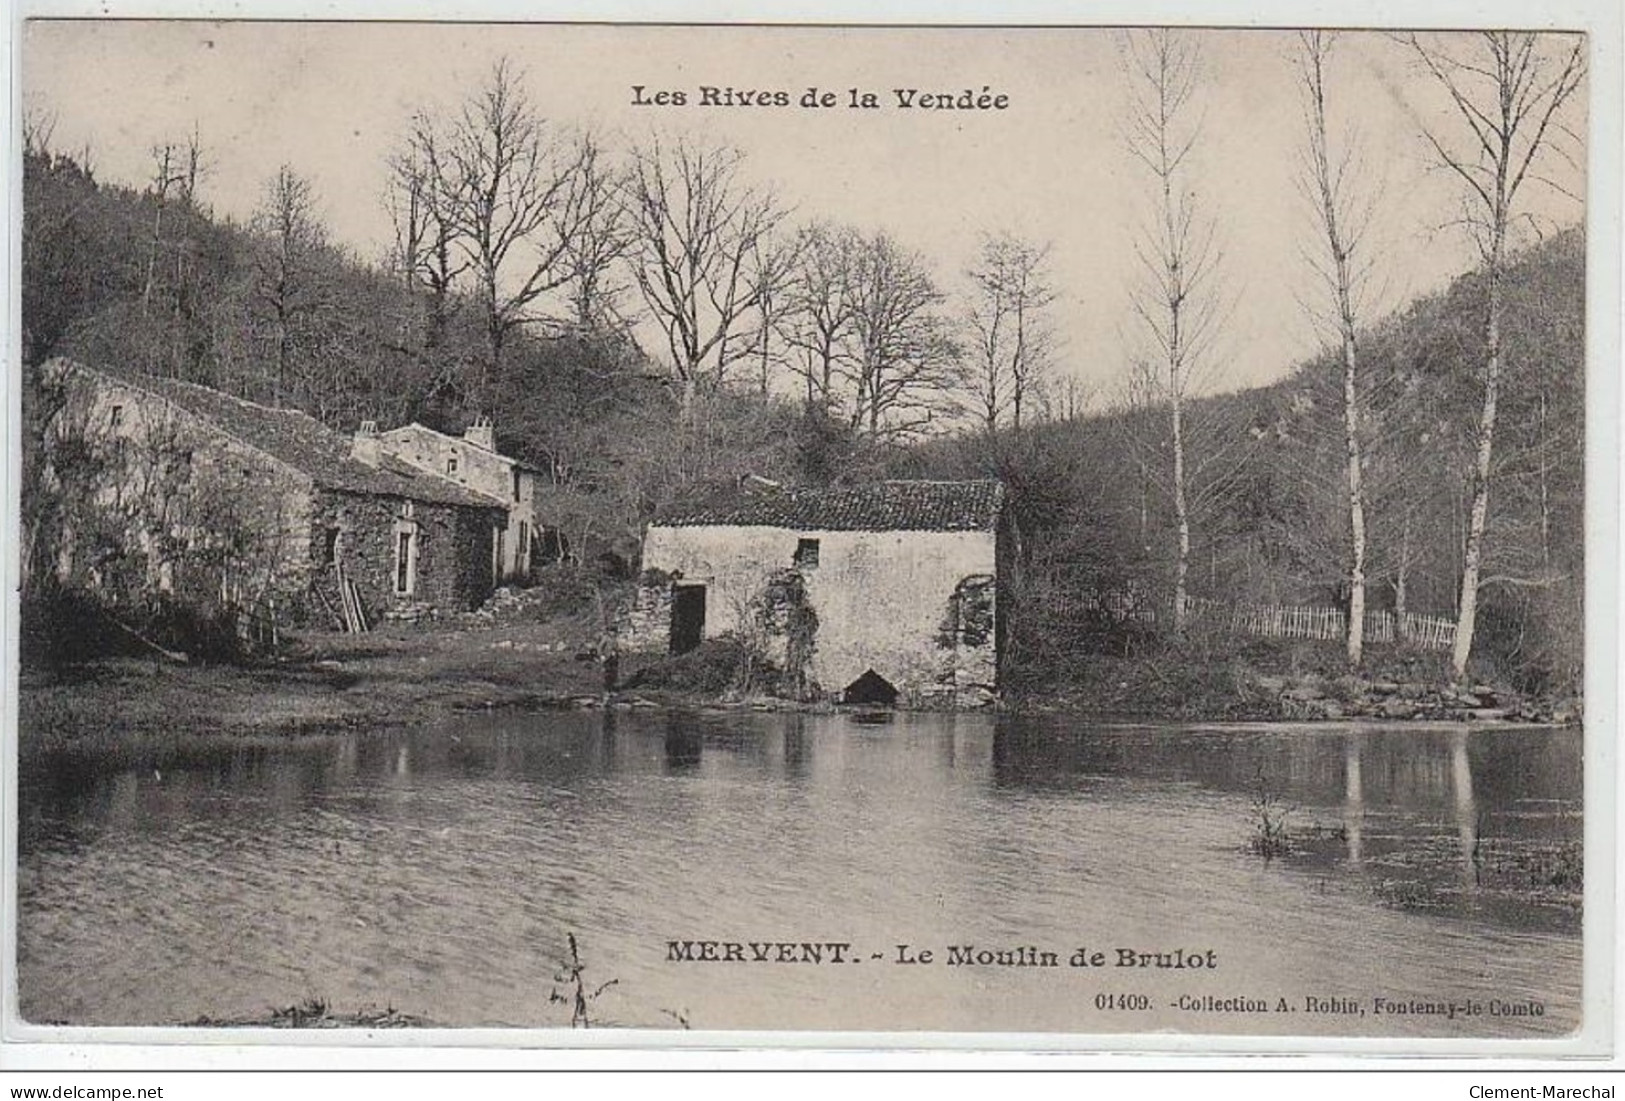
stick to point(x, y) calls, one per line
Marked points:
point(1068, 531)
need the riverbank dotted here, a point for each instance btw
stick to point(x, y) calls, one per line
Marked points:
point(1262, 680)
point(321, 682)
point(402, 676)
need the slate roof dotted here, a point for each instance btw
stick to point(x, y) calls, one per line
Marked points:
point(301, 442)
point(880, 506)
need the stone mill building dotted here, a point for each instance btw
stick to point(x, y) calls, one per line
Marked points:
point(209, 497)
point(886, 593)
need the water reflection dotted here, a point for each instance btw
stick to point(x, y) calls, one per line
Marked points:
point(1461, 784)
point(439, 868)
point(1424, 767)
point(797, 749)
point(684, 745)
point(1353, 794)
point(1418, 780)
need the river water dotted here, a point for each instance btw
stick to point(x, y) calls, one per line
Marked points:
point(440, 871)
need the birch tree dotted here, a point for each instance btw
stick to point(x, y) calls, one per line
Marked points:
point(1174, 300)
point(1342, 217)
point(1507, 92)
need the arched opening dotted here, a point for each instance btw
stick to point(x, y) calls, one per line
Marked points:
point(870, 690)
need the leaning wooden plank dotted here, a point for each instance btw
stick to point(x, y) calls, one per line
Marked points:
point(173, 655)
point(362, 626)
point(328, 604)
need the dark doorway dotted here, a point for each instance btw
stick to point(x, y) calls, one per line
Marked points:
point(687, 617)
point(870, 690)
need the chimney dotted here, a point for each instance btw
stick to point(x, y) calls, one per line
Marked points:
point(364, 447)
point(482, 434)
point(755, 485)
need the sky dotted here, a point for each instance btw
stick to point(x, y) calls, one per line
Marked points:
point(332, 100)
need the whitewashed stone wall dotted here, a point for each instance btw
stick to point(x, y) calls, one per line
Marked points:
point(884, 601)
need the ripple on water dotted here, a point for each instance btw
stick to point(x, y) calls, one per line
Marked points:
point(439, 871)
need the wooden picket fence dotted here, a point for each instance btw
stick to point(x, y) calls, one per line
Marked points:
point(1325, 624)
point(1281, 620)
point(1118, 605)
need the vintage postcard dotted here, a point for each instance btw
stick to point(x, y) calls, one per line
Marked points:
point(1069, 532)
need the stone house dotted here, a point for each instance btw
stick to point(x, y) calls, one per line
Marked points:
point(884, 593)
point(472, 461)
point(191, 491)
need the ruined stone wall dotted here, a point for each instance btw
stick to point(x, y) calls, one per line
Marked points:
point(453, 552)
point(646, 624)
point(891, 601)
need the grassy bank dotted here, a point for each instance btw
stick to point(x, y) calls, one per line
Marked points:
point(320, 682)
point(403, 676)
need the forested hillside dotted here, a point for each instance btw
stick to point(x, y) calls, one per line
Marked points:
point(272, 312)
point(275, 311)
point(1270, 517)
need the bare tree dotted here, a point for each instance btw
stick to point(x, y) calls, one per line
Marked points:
point(1508, 92)
point(771, 271)
point(904, 366)
point(39, 127)
point(1174, 301)
point(1010, 333)
point(698, 228)
point(817, 317)
point(509, 185)
point(1069, 399)
point(285, 281)
point(601, 240)
point(421, 197)
point(1342, 217)
point(63, 253)
point(176, 170)
point(165, 178)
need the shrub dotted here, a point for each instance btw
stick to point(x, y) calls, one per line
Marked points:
point(202, 633)
point(1270, 838)
point(61, 627)
point(716, 666)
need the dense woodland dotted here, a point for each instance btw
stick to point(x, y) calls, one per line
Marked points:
point(654, 330)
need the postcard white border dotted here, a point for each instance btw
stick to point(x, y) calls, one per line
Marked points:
point(24, 1046)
